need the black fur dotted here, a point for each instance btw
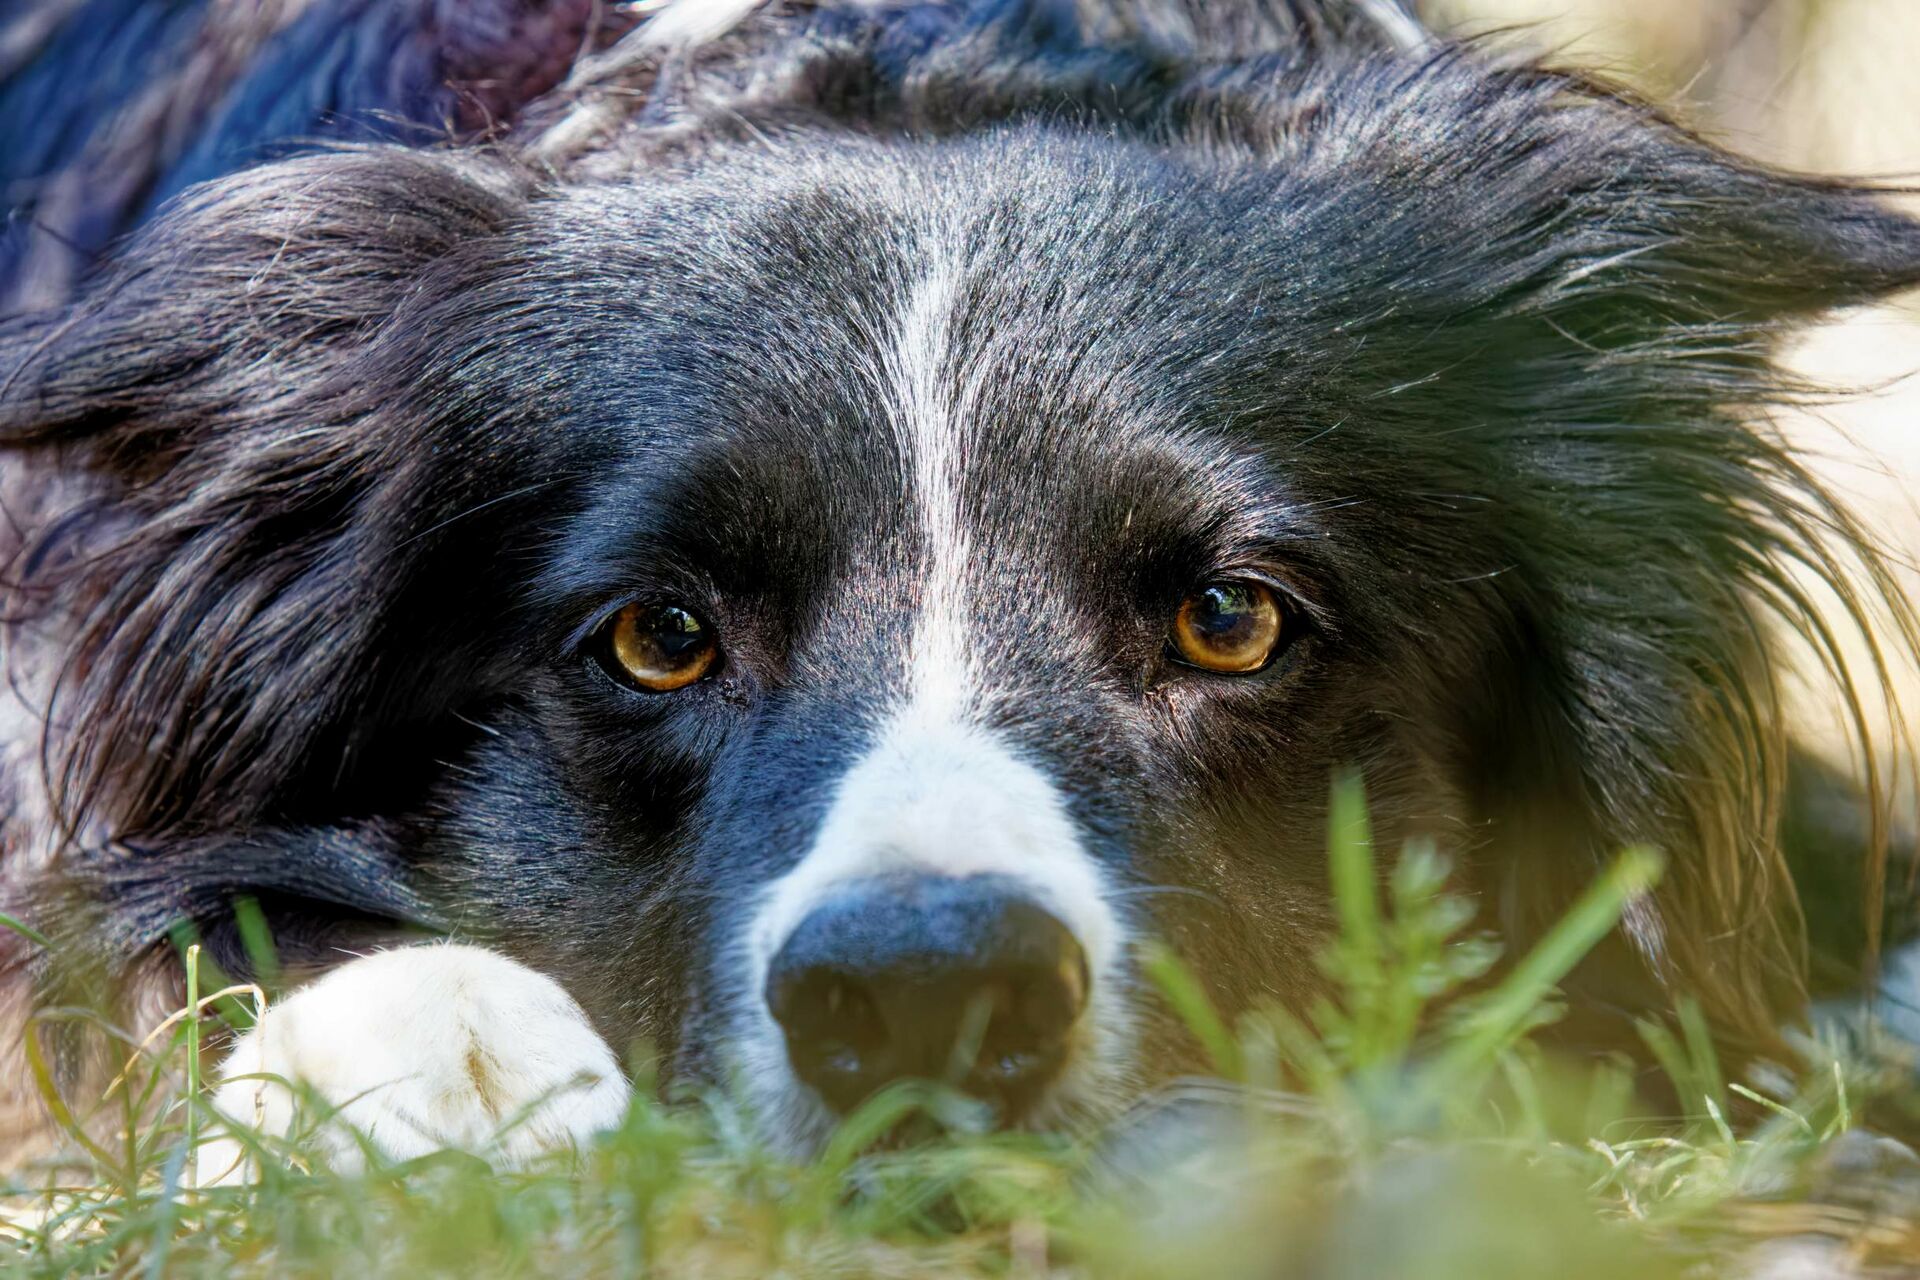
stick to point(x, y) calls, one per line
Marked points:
point(1472, 360)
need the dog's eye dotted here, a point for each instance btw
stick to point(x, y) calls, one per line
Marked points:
point(657, 647)
point(1232, 627)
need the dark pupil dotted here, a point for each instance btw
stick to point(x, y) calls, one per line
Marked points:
point(1224, 613)
point(677, 633)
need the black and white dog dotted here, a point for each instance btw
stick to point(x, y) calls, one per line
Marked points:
point(836, 521)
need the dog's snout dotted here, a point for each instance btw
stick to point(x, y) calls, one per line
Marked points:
point(963, 980)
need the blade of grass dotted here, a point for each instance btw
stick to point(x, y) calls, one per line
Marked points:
point(1189, 1000)
point(1720, 1125)
point(256, 939)
point(1508, 1008)
point(1355, 890)
point(1785, 1113)
point(1673, 1061)
point(165, 1212)
point(878, 1115)
point(230, 1011)
point(26, 931)
point(193, 1042)
point(1700, 1051)
point(57, 1109)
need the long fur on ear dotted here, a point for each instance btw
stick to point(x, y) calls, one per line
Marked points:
point(217, 580)
point(1627, 287)
point(1578, 310)
point(1656, 278)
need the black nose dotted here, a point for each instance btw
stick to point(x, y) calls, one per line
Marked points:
point(961, 980)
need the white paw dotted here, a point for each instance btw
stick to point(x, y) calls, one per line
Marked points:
point(420, 1049)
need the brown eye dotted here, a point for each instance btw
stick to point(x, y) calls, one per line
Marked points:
point(1230, 627)
point(658, 647)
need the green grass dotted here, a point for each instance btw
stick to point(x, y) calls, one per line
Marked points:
point(1421, 1132)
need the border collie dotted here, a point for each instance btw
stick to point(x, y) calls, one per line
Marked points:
point(817, 535)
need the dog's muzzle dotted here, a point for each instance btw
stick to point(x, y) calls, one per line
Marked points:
point(947, 923)
point(965, 980)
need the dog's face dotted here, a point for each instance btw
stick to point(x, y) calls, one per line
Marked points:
point(942, 592)
point(828, 601)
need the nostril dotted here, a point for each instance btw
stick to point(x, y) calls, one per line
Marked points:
point(1052, 1000)
point(935, 978)
point(828, 1010)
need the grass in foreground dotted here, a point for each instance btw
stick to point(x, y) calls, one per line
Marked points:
point(1411, 1146)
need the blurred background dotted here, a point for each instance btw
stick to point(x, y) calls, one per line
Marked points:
point(1823, 86)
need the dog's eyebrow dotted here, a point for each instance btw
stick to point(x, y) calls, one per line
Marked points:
point(1252, 508)
point(596, 560)
point(1259, 524)
point(640, 540)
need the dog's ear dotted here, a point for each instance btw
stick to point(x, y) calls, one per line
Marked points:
point(1524, 192)
point(1618, 291)
point(1675, 237)
point(218, 410)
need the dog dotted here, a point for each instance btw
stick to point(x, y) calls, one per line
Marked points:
point(812, 540)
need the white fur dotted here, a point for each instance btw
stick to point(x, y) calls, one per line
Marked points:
point(678, 23)
point(932, 431)
point(416, 1050)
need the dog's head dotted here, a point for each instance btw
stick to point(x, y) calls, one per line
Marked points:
point(828, 594)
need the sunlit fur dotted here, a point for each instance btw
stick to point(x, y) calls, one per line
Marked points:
point(1475, 361)
point(412, 1050)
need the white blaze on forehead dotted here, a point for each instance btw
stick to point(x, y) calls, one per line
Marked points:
point(929, 406)
point(936, 793)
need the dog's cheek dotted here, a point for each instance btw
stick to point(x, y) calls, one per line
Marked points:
point(569, 879)
point(1234, 862)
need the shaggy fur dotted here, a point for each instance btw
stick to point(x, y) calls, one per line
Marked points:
point(324, 481)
